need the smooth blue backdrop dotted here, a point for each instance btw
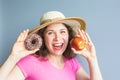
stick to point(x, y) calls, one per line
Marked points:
point(102, 18)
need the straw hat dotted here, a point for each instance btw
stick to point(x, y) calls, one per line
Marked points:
point(57, 17)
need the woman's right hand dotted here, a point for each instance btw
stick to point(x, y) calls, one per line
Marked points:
point(19, 49)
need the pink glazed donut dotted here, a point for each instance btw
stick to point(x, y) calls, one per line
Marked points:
point(33, 41)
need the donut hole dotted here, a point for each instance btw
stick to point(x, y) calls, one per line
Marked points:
point(34, 41)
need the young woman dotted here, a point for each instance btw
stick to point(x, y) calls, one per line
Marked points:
point(55, 60)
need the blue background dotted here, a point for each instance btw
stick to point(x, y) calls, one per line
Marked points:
point(102, 18)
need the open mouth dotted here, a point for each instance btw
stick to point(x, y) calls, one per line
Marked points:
point(58, 46)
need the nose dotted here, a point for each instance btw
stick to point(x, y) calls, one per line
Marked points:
point(57, 37)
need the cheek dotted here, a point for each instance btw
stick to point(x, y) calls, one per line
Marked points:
point(66, 38)
point(47, 40)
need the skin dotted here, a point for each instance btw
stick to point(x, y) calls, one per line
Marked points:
point(56, 41)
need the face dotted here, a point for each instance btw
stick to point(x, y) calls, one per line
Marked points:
point(56, 38)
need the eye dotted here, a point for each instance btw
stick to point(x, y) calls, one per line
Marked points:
point(50, 32)
point(63, 31)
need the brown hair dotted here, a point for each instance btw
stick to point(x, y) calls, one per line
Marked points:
point(67, 53)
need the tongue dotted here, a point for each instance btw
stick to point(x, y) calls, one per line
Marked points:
point(57, 48)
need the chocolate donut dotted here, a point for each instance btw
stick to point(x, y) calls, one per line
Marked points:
point(33, 41)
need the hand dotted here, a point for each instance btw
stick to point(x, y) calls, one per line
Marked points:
point(89, 51)
point(19, 49)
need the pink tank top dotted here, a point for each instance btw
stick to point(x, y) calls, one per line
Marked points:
point(39, 68)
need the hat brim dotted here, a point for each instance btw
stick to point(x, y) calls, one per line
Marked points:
point(74, 22)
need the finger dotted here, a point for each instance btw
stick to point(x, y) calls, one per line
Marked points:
point(88, 38)
point(82, 35)
point(85, 36)
point(22, 35)
point(73, 50)
point(19, 37)
point(25, 34)
point(79, 34)
point(76, 51)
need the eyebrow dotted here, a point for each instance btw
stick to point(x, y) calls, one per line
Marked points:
point(53, 30)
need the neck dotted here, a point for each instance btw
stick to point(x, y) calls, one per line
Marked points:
point(57, 61)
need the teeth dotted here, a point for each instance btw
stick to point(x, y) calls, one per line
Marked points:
point(57, 44)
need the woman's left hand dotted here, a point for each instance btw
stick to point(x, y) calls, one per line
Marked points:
point(89, 51)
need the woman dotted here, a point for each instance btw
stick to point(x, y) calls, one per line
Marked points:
point(55, 60)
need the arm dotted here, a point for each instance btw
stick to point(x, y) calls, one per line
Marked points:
point(95, 73)
point(18, 52)
point(82, 75)
point(7, 67)
point(15, 74)
point(90, 54)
